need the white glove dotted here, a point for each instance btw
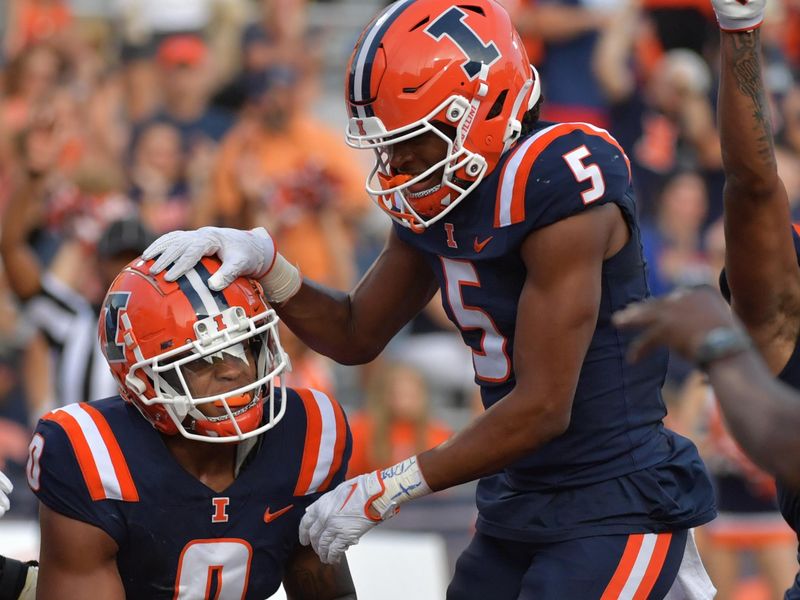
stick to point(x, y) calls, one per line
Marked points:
point(339, 518)
point(243, 254)
point(5, 489)
point(736, 15)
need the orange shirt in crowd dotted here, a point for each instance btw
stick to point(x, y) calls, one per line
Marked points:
point(402, 441)
point(305, 142)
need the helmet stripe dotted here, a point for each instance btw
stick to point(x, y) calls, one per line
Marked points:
point(361, 69)
point(205, 274)
point(203, 300)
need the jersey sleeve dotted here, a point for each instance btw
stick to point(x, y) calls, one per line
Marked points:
point(559, 172)
point(64, 475)
point(327, 445)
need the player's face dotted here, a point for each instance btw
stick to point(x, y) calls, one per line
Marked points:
point(416, 155)
point(221, 373)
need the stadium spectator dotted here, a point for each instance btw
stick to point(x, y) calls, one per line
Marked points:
point(396, 420)
point(282, 167)
point(185, 72)
point(661, 113)
point(672, 242)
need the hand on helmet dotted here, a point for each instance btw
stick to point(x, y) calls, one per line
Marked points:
point(243, 253)
point(5, 489)
point(739, 15)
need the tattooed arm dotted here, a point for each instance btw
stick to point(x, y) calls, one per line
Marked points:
point(761, 263)
point(306, 578)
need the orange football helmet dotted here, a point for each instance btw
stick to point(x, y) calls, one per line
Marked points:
point(160, 338)
point(427, 62)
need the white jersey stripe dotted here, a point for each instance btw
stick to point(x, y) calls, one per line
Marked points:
point(327, 441)
point(639, 567)
point(100, 455)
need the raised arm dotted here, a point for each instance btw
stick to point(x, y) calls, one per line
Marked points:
point(21, 264)
point(761, 264)
point(76, 561)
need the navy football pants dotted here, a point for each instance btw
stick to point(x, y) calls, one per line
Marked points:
point(635, 567)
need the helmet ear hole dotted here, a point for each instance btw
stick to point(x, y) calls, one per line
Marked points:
point(497, 107)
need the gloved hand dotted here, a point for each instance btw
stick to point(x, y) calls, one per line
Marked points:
point(736, 15)
point(5, 489)
point(340, 517)
point(243, 254)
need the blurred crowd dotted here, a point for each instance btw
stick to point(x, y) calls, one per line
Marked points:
point(124, 119)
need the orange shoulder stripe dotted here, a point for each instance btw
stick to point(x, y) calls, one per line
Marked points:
point(312, 442)
point(99, 455)
point(82, 452)
point(128, 488)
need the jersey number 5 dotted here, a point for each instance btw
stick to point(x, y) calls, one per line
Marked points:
point(584, 172)
point(490, 358)
point(213, 569)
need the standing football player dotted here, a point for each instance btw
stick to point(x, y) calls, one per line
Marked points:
point(762, 255)
point(528, 229)
point(192, 482)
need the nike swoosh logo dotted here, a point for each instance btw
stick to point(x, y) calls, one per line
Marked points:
point(269, 517)
point(353, 487)
point(478, 246)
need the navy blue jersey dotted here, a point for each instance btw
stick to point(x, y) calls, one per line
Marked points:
point(616, 469)
point(103, 464)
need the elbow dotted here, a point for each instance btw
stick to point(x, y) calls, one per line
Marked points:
point(751, 185)
point(543, 426)
point(355, 354)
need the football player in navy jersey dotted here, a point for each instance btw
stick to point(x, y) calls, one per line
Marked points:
point(762, 276)
point(192, 482)
point(528, 230)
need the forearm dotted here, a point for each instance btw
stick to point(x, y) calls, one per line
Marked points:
point(323, 319)
point(744, 119)
point(353, 328)
point(506, 432)
point(761, 413)
point(610, 59)
point(21, 265)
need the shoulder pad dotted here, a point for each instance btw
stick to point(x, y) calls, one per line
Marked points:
point(558, 172)
point(327, 446)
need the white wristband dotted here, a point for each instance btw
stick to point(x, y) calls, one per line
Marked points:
point(282, 281)
point(403, 482)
